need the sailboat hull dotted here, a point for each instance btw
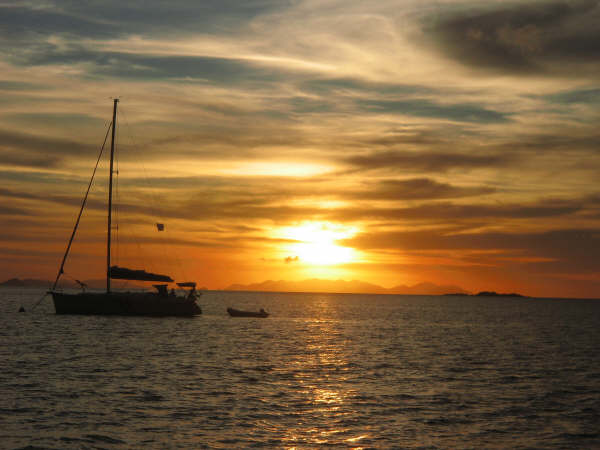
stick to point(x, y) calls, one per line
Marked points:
point(125, 304)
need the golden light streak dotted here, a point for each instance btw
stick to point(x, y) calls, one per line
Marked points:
point(284, 169)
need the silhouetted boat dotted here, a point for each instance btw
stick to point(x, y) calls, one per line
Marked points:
point(159, 303)
point(238, 313)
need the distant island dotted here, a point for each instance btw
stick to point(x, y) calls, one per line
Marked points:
point(488, 294)
point(343, 287)
point(27, 282)
point(496, 294)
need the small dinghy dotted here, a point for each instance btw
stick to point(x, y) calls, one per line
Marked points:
point(237, 313)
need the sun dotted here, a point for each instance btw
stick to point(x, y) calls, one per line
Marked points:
point(316, 243)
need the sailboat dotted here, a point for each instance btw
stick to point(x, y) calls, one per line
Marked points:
point(162, 302)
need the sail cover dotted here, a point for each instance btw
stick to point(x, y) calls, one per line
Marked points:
point(122, 273)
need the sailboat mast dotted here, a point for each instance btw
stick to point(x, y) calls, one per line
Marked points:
point(110, 185)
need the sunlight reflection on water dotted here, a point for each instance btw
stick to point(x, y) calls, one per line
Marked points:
point(324, 369)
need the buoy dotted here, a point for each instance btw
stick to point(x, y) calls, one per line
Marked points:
point(21, 309)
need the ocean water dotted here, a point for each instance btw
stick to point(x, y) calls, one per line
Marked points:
point(349, 371)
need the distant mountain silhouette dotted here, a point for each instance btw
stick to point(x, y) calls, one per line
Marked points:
point(27, 282)
point(342, 286)
point(312, 285)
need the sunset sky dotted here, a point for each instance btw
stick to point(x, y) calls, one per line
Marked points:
point(393, 142)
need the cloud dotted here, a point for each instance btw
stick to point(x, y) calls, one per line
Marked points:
point(15, 158)
point(68, 200)
point(357, 87)
point(11, 211)
point(545, 37)
point(415, 189)
point(23, 22)
point(25, 149)
point(428, 161)
point(114, 18)
point(567, 250)
point(6, 85)
point(440, 212)
point(10, 255)
point(426, 108)
point(97, 64)
point(583, 96)
point(13, 194)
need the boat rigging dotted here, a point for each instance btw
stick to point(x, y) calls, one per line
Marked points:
point(159, 303)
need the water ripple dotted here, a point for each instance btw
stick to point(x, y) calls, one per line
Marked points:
point(324, 370)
